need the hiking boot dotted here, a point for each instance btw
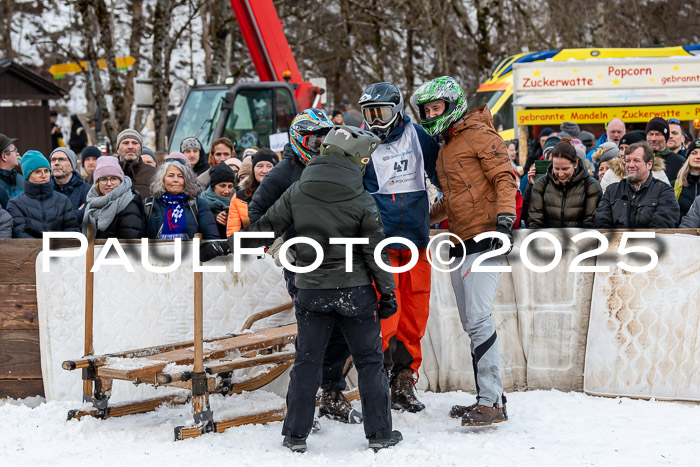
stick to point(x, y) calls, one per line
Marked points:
point(403, 394)
point(334, 405)
point(458, 411)
point(483, 415)
point(294, 444)
point(380, 443)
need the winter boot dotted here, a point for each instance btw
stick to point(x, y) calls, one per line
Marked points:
point(294, 444)
point(458, 411)
point(483, 415)
point(334, 405)
point(403, 394)
point(380, 443)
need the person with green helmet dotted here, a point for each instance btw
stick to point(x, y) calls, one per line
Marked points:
point(479, 190)
point(329, 202)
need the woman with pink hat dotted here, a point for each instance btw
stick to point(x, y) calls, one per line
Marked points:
point(113, 208)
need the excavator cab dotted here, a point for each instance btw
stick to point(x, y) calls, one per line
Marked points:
point(246, 113)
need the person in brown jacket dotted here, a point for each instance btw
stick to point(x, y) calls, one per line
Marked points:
point(129, 146)
point(479, 189)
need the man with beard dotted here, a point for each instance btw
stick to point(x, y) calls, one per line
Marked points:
point(658, 133)
point(129, 145)
point(639, 201)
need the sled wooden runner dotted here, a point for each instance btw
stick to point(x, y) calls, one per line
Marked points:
point(203, 367)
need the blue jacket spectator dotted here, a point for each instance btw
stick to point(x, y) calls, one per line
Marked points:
point(10, 180)
point(67, 180)
point(39, 208)
point(175, 210)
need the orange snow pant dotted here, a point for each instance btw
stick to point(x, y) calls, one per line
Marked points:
point(402, 332)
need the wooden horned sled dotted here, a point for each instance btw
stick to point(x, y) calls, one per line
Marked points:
point(209, 367)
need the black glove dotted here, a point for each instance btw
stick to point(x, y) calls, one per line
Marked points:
point(211, 250)
point(387, 305)
point(504, 225)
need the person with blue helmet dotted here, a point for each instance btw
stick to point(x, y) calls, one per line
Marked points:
point(395, 177)
point(306, 134)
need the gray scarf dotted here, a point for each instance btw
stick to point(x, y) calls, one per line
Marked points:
point(102, 209)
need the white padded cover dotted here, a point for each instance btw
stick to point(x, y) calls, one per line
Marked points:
point(643, 336)
point(141, 309)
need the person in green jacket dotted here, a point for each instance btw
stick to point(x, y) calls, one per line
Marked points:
point(329, 201)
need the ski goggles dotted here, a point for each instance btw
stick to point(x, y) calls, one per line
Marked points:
point(384, 114)
point(312, 142)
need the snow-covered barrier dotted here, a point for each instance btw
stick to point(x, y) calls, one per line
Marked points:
point(643, 338)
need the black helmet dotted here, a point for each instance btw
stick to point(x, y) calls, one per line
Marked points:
point(382, 108)
point(351, 142)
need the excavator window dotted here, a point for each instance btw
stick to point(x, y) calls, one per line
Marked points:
point(198, 117)
point(250, 123)
point(285, 110)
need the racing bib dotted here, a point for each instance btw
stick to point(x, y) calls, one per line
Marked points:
point(399, 165)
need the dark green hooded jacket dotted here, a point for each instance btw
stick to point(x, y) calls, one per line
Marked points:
point(329, 201)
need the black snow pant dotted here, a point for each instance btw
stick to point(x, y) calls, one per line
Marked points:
point(353, 310)
point(337, 351)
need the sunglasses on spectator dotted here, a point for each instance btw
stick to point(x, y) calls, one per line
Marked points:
point(674, 120)
point(107, 180)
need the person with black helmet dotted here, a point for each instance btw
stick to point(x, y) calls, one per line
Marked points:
point(395, 176)
point(330, 202)
point(479, 191)
point(306, 132)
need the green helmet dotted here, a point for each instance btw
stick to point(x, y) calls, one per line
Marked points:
point(351, 142)
point(445, 89)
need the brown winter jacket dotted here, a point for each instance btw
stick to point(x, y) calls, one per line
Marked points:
point(476, 177)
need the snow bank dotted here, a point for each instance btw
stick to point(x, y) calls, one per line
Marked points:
point(546, 428)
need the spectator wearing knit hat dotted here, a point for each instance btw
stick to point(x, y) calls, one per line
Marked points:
point(66, 179)
point(238, 219)
point(39, 208)
point(631, 137)
point(129, 148)
point(657, 136)
point(148, 157)
point(89, 156)
point(113, 208)
point(222, 186)
point(192, 148)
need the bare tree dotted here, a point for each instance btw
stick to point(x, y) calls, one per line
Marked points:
point(164, 42)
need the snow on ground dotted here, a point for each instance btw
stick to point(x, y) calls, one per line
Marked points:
point(545, 428)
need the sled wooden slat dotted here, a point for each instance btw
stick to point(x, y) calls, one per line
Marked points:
point(273, 415)
point(265, 314)
point(224, 366)
point(245, 342)
point(131, 408)
point(100, 360)
point(259, 381)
